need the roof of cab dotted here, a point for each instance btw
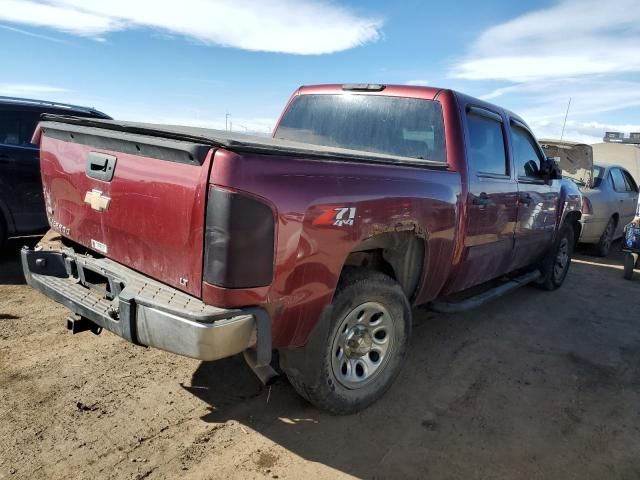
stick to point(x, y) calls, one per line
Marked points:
point(45, 104)
point(413, 91)
point(428, 93)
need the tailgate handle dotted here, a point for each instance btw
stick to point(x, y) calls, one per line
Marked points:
point(101, 166)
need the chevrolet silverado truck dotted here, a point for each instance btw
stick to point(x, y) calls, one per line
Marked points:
point(368, 200)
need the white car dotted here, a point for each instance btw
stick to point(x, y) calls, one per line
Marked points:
point(609, 203)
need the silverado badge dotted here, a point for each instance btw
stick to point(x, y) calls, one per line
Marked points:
point(97, 200)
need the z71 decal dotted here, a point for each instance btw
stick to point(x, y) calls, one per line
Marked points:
point(337, 216)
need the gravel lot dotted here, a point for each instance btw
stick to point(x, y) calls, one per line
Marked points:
point(533, 385)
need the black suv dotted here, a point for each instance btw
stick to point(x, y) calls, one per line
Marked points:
point(21, 202)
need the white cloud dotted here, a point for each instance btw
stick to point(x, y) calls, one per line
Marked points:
point(28, 90)
point(586, 50)
point(569, 39)
point(586, 132)
point(548, 99)
point(418, 83)
point(524, 68)
point(543, 105)
point(287, 26)
point(35, 35)
point(55, 16)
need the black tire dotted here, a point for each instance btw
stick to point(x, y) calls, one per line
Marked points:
point(553, 270)
point(603, 247)
point(629, 265)
point(335, 371)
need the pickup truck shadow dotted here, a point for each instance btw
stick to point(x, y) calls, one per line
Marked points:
point(354, 444)
point(482, 394)
point(10, 265)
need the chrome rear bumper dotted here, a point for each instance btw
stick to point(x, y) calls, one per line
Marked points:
point(144, 311)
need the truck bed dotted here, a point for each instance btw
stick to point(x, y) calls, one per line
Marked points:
point(204, 138)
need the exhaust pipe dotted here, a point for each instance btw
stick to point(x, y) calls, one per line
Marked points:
point(265, 373)
point(78, 324)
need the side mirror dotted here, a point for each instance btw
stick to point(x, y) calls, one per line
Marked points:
point(550, 170)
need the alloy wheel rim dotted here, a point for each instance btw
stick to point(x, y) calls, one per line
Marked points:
point(362, 345)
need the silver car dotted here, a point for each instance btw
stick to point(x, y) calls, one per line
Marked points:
point(609, 203)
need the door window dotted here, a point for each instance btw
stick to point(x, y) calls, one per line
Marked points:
point(527, 155)
point(619, 184)
point(17, 127)
point(486, 145)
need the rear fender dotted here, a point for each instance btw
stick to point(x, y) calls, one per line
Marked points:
point(326, 210)
point(569, 205)
point(337, 235)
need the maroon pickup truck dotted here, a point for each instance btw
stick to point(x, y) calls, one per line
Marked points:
point(369, 199)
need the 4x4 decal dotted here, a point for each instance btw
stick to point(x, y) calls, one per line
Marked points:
point(337, 216)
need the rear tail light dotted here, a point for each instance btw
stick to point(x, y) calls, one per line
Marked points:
point(586, 205)
point(239, 240)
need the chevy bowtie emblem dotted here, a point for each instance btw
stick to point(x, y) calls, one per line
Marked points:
point(97, 200)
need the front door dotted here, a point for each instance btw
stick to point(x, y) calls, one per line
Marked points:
point(537, 200)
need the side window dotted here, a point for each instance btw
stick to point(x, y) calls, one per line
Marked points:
point(525, 152)
point(16, 127)
point(486, 141)
point(619, 184)
point(631, 183)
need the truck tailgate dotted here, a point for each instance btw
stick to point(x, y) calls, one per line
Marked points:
point(149, 216)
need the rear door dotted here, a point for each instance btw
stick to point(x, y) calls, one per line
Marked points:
point(537, 200)
point(20, 182)
point(492, 200)
point(631, 199)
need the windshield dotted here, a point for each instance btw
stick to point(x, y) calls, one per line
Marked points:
point(406, 127)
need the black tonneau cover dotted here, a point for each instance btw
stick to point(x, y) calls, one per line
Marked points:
point(193, 142)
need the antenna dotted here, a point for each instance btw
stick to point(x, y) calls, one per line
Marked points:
point(565, 118)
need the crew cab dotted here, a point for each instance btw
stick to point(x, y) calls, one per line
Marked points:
point(368, 200)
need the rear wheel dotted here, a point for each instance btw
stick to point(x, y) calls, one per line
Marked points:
point(349, 365)
point(603, 247)
point(555, 265)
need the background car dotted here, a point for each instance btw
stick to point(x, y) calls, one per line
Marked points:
point(626, 155)
point(608, 204)
point(22, 209)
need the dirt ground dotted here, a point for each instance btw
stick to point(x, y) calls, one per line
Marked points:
point(533, 385)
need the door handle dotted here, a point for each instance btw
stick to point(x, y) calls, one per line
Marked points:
point(481, 200)
point(524, 199)
point(100, 166)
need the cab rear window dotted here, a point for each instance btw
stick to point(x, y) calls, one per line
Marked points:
point(404, 127)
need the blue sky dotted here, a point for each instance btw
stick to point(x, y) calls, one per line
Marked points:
point(190, 62)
